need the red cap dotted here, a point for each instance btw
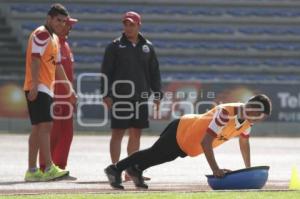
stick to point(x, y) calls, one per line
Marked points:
point(133, 17)
point(71, 21)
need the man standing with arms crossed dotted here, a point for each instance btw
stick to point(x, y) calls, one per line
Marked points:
point(42, 65)
point(62, 130)
point(132, 70)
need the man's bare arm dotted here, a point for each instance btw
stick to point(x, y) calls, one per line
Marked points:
point(210, 156)
point(245, 150)
point(35, 69)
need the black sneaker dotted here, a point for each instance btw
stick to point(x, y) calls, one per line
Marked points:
point(137, 177)
point(114, 177)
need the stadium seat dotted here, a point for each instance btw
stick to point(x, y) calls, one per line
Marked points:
point(215, 36)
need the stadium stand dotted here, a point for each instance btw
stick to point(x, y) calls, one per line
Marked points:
point(255, 40)
point(11, 53)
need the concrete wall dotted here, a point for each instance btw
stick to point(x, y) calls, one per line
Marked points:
point(267, 129)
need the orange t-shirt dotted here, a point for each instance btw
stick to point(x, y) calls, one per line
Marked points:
point(221, 122)
point(44, 45)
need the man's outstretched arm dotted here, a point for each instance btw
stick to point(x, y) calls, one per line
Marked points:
point(245, 150)
point(210, 156)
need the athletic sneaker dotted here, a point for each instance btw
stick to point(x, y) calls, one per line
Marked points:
point(36, 176)
point(137, 177)
point(54, 173)
point(114, 177)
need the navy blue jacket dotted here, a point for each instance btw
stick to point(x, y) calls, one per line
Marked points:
point(139, 65)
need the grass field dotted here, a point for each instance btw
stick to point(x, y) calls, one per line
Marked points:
point(212, 195)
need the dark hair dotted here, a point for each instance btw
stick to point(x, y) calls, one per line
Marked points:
point(264, 100)
point(57, 9)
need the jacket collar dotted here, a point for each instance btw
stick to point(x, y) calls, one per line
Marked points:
point(124, 39)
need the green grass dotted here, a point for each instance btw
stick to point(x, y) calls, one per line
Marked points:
point(213, 195)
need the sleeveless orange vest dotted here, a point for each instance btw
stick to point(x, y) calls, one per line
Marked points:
point(192, 128)
point(49, 60)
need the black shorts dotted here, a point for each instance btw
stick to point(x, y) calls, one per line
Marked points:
point(129, 114)
point(39, 109)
